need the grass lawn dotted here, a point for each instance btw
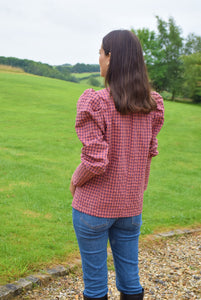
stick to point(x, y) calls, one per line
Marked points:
point(173, 198)
point(39, 151)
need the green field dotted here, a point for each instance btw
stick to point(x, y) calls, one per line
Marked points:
point(84, 78)
point(81, 75)
point(39, 151)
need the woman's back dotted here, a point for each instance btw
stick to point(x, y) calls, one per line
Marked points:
point(118, 149)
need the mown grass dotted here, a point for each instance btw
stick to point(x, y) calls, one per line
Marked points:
point(174, 194)
point(39, 151)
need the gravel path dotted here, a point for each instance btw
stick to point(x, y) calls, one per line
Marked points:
point(170, 268)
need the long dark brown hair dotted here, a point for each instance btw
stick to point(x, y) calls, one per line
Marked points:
point(127, 75)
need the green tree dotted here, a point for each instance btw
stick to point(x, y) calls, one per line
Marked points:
point(192, 44)
point(171, 44)
point(93, 81)
point(192, 76)
point(153, 55)
point(162, 51)
point(149, 44)
point(82, 68)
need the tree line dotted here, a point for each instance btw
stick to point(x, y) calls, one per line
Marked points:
point(64, 72)
point(81, 68)
point(173, 63)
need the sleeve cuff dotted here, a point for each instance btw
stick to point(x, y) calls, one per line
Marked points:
point(82, 175)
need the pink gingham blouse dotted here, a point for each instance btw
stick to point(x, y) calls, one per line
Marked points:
point(116, 155)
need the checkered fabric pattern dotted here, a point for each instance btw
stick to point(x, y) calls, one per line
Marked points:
point(116, 155)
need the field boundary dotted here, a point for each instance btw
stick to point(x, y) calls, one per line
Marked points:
point(11, 290)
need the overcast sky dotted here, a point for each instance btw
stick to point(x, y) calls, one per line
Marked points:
point(64, 31)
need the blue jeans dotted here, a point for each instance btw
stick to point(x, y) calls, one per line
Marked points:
point(92, 235)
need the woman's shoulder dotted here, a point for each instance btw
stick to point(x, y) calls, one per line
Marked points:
point(156, 95)
point(159, 99)
point(158, 114)
point(93, 100)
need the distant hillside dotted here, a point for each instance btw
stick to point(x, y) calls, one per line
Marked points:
point(63, 72)
point(37, 68)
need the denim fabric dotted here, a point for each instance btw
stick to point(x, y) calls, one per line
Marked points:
point(92, 235)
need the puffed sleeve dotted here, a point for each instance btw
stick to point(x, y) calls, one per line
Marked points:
point(90, 128)
point(157, 123)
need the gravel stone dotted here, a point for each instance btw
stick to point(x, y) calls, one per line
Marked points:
point(170, 268)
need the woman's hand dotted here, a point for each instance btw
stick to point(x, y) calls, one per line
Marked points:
point(72, 187)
